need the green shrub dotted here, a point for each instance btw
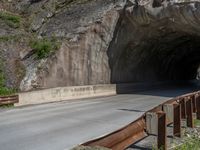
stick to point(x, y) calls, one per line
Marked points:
point(7, 106)
point(11, 20)
point(3, 89)
point(192, 143)
point(44, 47)
point(197, 123)
point(6, 91)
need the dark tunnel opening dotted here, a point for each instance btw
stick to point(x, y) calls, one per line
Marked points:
point(148, 49)
point(173, 57)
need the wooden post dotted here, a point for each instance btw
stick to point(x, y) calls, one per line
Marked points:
point(156, 125)
point(189, 113)
point(198, 106)
point(194, 109)
point(169, 110)
point(177, 120)
point(183, 108)
point(162, 137)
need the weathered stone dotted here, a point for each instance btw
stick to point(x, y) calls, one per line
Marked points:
point(109, 41)
point(120, 42)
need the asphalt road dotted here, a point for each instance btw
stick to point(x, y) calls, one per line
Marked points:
point(63, 125)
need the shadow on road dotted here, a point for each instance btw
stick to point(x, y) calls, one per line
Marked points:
point(164, 89)
point(134, 110)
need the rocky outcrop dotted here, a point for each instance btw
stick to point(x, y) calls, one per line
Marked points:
point(121, 42)
point(156, 42)
point(112, 41)
point(82, 58)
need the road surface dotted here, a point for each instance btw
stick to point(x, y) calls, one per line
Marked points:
point(63, 125)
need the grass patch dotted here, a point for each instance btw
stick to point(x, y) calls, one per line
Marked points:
point(45, 47)
point(8, 38)
point(191, 143)
point(11, 20)
point(7, 106)
point(155, 148)
point(4, 38)
point(7, 91)
point(197, 123)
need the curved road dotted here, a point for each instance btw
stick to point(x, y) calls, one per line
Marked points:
point(63, 125)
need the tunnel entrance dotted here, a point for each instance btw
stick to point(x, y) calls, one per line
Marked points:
point(149, 47)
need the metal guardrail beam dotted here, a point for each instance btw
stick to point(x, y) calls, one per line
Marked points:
point(4, 100)
point(121, 138)
point(183, 107)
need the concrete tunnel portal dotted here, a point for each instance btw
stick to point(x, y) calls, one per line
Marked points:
point(156, 47)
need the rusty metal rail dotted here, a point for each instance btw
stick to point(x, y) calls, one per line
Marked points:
point(119, 139)
point(154, 122)
point(4, 100)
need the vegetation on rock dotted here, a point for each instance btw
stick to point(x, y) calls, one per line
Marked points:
point(11, 20)
point(44, 47)
point(191, 143)
point(3, 89)
point(8, 38)
point(197, 123)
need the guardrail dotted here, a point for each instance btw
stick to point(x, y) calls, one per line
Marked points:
point(5, 100)
point(154, 122)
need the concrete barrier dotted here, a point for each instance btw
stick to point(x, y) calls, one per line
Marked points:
point(65, 93)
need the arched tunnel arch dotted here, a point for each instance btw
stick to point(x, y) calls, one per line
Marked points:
point(149, 46)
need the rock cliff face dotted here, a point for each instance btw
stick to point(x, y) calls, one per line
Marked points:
point(112, 41)
point(156, 41)
point(86, 30)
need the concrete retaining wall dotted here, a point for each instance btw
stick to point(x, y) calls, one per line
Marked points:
point(65, 93)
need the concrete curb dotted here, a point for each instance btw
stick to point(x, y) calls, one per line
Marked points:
point(65, 93)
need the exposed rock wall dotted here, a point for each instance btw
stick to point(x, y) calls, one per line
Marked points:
point(158, 42)
point(112, 41)
point(121, 41)
point(86, 31)
point(83, 60)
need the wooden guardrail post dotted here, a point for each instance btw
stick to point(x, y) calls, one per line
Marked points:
point(156, 125)
point(189, 113)
point(169, 110)
point(183, 108)
point(173, 115)
point(177, 120)
point(193, 97)
point(162, 136)
point(198, 106)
